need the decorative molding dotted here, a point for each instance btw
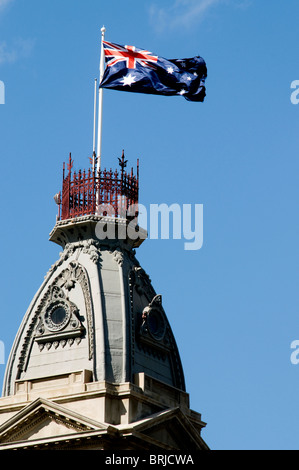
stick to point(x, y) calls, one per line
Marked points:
point(153, 335)
point(74, 273)
point(118, 256)
point(59, 320)
point(37, 419)
point(92, 248)
point(162, 344)
point(153, 321)
point(82, 277)
point(89, 246)
point(142, 282)
point(157, 353)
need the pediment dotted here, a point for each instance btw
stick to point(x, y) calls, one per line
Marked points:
point(44, 419)
point(170, 429)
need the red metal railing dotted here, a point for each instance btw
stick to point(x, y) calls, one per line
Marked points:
point(103, 193)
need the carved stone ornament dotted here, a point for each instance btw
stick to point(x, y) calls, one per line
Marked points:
point(153, 322)
point(118, 256)
point(90, 247)
point(59, 321)
point(68, 327)
point(142, 282)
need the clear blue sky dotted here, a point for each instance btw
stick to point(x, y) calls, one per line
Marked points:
point(233, 305)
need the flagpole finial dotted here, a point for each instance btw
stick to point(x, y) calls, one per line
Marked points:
point(103, 30)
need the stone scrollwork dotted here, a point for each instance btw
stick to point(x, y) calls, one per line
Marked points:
point(90, 247)
point(142, 282)
point(59, 320)
point(56, 321)
point(118, 256)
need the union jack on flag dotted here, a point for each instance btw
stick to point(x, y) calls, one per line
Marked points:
point(132, 56)
point(138, 70)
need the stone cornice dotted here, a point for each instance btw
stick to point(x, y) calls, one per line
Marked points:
point(81, 228)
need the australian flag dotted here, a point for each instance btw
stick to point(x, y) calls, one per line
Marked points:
point(137, 70)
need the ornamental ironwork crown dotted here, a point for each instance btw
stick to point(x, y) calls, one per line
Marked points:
point(102, 192)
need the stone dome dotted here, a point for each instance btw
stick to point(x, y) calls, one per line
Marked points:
point(97, 311)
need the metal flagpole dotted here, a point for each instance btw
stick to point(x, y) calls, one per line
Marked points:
point(102, 68)
point(94, 126)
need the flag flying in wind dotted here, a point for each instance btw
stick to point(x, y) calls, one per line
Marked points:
point(131, 69)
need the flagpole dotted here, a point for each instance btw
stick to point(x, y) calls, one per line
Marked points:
point(102, 68)
point(94, 126)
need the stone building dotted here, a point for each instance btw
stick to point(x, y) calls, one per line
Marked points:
point(95, 364)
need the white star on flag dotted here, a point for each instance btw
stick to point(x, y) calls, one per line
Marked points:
point(128, 80)
point(170, 70)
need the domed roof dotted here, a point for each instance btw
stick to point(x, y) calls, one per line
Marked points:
point(96, 310)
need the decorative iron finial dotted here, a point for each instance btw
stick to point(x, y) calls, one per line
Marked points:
point(70, 163)
point(122, 161)
point(93, 160)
